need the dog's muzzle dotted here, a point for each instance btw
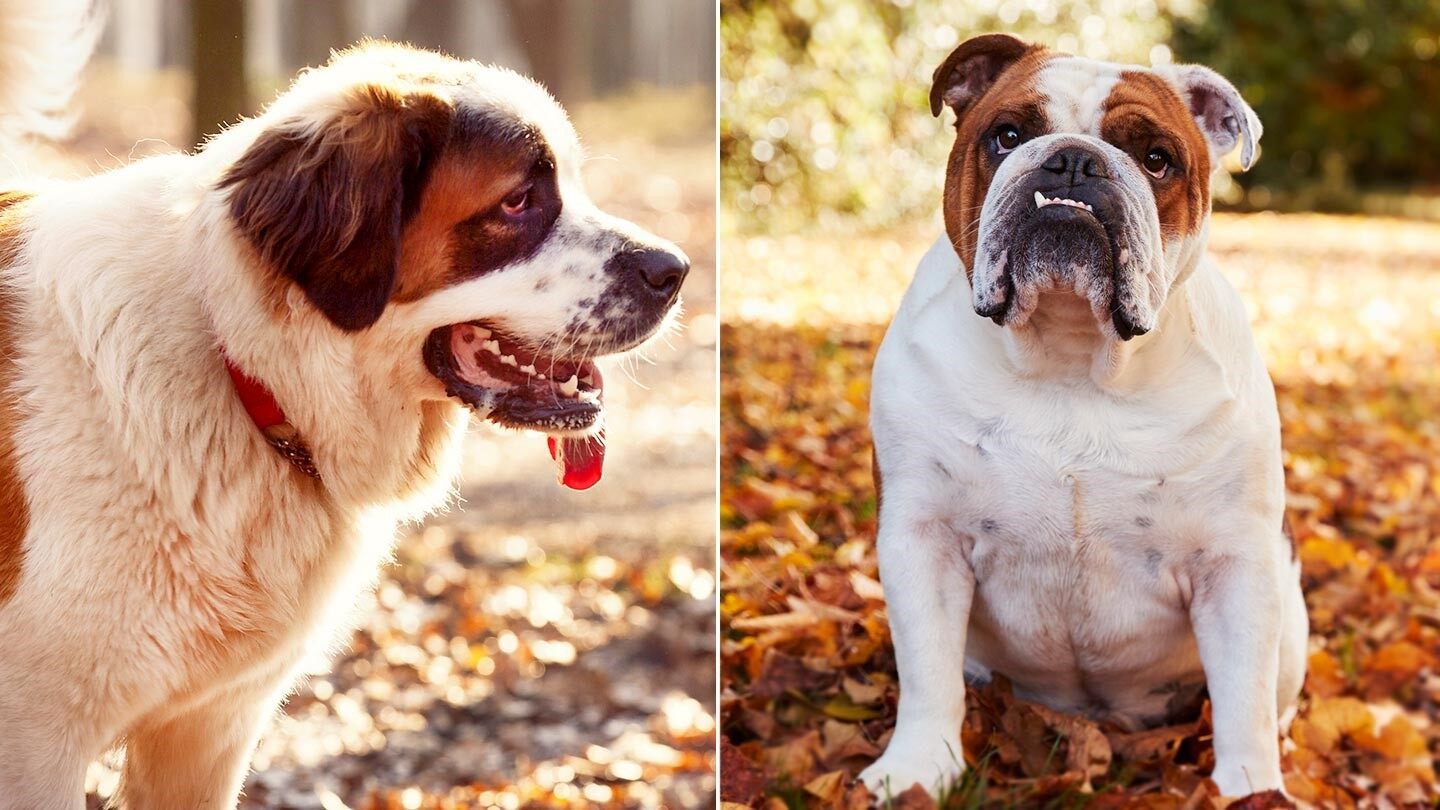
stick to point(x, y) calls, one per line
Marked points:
point(1060, 226)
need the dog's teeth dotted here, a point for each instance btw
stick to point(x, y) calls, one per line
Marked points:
point(570, 386)
point(1040, 201)
point(528, 369)
point(492, 346)
point(589, 396)
point(539, 376)
point(508, 360)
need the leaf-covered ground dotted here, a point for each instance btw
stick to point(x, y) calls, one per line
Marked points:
point(1347, 311)
point(532, 646)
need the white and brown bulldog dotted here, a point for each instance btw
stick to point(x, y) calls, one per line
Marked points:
point(1077, 437)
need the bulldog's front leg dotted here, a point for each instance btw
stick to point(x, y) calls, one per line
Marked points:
point(928, 588)
point(1235, 612)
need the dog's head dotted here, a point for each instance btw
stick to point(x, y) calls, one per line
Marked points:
point(404, 190)
point(1073, 174)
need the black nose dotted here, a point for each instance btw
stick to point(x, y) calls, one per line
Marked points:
point(1076, 163)
point(662, 270)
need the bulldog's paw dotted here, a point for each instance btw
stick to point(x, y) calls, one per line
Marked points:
point(1239, 780)
point(903, 767)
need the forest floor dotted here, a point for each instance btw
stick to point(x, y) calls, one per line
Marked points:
point(1347, 314)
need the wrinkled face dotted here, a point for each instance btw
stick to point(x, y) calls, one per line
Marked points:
point(1069, 174)
point(444, 198)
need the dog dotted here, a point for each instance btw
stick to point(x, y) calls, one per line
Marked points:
point(1076, 440)
point(230, 375)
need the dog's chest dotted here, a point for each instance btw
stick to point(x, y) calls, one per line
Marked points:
point(1081, 569)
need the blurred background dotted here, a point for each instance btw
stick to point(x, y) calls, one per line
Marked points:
point(825, 100)
point(831, 175)
point(533, 646)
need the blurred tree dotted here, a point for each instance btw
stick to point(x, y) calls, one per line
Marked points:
point(220, 95)
point(433, 22)
point(315, 28)
point(1348, 96)
point(553, 44)
point(825, 120)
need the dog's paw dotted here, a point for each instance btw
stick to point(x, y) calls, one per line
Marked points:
point(1238, 780)
point(899, 770)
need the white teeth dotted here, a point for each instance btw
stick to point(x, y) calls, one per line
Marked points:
point(492, 346)
point(539, 376)
point(508, 360)
point(1041, 201)
point(570, 386)
point(528, 369)
point(590, 396)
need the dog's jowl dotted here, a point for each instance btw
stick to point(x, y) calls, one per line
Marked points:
point(1079, 441)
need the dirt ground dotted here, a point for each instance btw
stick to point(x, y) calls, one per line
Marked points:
point(532, 645)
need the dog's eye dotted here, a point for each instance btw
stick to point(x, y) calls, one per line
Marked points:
point(1007, 138)
point(517, 203)
point(1156, 162)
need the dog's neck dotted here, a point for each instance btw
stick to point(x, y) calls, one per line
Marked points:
point(349, 396)
point(270, 419)
point(1062, 341)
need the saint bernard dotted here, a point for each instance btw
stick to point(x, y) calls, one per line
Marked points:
point(228, 376)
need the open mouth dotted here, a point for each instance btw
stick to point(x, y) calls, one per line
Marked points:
point(510, 382)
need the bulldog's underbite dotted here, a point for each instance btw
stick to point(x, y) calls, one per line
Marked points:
point(1077, 445)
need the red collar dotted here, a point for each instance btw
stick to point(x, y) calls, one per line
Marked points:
point(265, 412)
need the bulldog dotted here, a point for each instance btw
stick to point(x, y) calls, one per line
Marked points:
point(1077, 438)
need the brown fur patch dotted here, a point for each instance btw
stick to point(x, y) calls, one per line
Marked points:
point(324, 205)
point(1144, 112)
point(1014, 95)
point(462, 185)
point(16, 516)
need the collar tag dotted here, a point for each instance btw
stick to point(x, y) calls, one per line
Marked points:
point(265, 412)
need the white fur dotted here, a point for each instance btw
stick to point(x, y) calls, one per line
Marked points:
point(176, 569)
point(1095, 519)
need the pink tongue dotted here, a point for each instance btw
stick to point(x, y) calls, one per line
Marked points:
point(578, 462)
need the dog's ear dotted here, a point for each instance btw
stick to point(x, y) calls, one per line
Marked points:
point(1224, 118)
point(323, 200)
point(970, 69)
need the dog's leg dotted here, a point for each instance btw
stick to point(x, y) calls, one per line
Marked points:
point(1294, 648)
point(195, 758)
point(1237, 616)
point(928, 588)
point(40, 768)
point(48, 733)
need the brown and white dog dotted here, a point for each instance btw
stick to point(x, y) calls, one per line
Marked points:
point(399, 241)
point(1077, 437)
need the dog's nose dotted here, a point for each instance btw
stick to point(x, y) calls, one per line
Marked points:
point(662, 270)
point(1076, 163)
